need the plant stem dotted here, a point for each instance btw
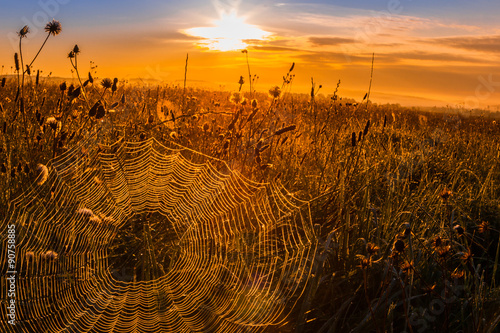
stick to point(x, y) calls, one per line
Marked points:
point(41, 47)
point(249, 75)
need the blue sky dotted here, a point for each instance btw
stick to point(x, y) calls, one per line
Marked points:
point(426, 51)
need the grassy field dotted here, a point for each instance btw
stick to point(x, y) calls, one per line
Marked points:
point(406, 204)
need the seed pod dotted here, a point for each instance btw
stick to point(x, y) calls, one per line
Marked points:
point(63, 86)
point(3, 82)
point(365, 131)
point(353, 139)
point(28, 70)
point(75, 93)
point(114, 105)
point(37, 81)
point(101, 112)
point(285, 129)
point(93, 110)
point(385, 121)
point(399, 246)
point(122, 100)
point(16, 61)
point(91, 79)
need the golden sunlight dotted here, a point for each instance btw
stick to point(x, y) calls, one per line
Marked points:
point(229, 33)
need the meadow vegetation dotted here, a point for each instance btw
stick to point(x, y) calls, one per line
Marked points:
point(406, 204)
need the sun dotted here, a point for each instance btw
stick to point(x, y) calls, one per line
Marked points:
point(228, 33)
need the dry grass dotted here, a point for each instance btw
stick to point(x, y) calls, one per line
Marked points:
point(407, 204)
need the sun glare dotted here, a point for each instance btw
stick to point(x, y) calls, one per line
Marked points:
point(228, 33)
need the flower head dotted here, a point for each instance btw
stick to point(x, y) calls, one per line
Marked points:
point(235, 98)
point(275, 92)
point(24, 31)
point(106, 83)
point(53, 27)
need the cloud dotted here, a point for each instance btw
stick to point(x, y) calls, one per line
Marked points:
point(428, 56)
point(490, 44)
point(276, 49)
point(330, 41)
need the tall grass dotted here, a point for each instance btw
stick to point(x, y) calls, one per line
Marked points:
point(406, 204)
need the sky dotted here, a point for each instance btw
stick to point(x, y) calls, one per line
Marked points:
point(441, 52)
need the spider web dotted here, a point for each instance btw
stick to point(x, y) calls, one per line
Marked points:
point(140, 237)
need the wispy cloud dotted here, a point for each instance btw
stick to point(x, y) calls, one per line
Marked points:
point(490, 44)
point(330, 41)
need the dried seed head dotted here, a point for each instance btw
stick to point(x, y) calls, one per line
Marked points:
point(43, 174)
point(53, 27)
point(24, 31)
point(275, 92)
point(235, 98)
point(399, 246)
point(106, 83)
point(459, 229)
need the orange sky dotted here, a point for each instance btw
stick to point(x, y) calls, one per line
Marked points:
point(443, 55)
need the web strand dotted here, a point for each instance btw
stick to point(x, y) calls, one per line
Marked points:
point(139, 237)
